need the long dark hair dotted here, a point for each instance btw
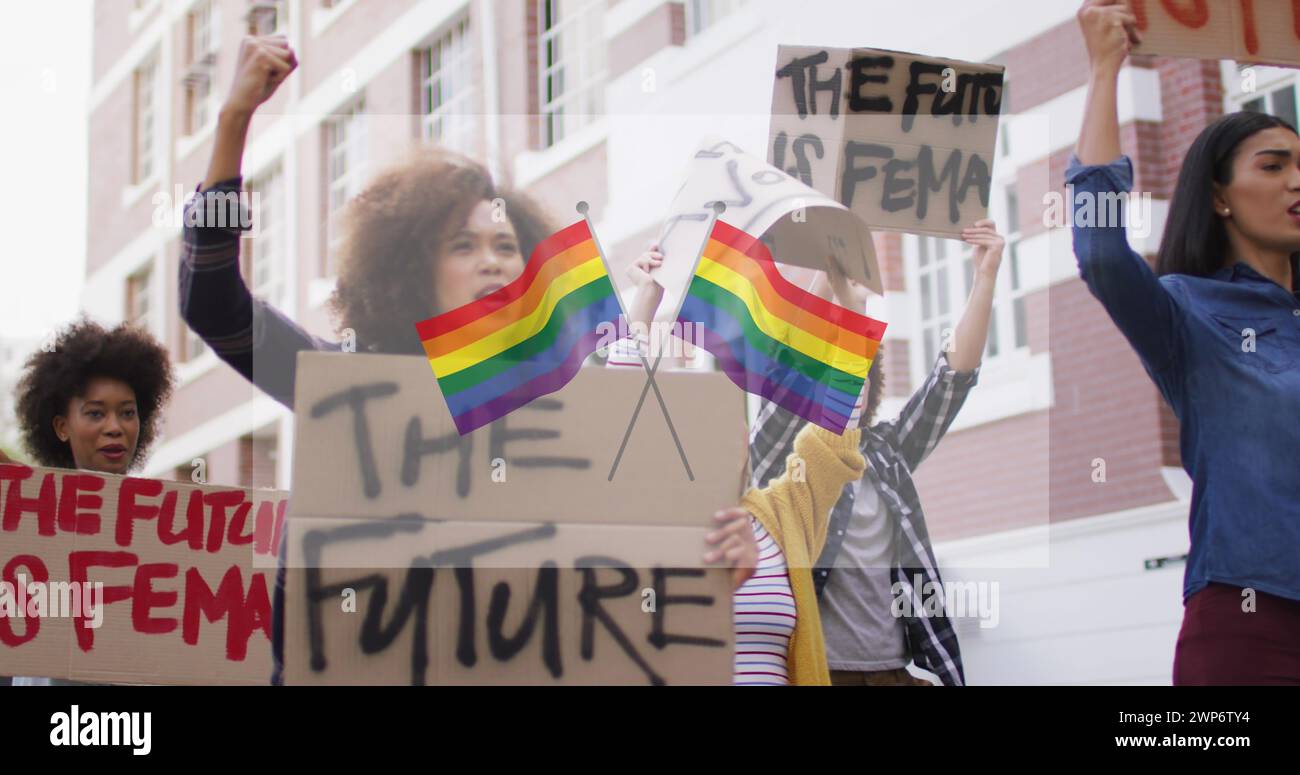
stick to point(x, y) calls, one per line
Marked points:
point(1195, 241)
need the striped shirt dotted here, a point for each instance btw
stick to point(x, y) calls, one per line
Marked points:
point(765, 617)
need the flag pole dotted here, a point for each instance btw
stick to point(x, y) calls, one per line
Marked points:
point(718, 207)
point(584, 209)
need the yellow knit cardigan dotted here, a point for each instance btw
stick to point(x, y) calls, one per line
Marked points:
point(795, 508)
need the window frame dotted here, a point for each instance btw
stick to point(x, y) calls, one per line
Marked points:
point(456, 58)
point(139, 284)
point(145, 118)
point(200, 98)
point(703, 14)
point(557, 111)
point(265, 250)
point(354, 158)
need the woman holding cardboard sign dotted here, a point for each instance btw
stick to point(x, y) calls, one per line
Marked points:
point(425, 236)
point(778, 629)
point(1217, 326)
point(92, 402)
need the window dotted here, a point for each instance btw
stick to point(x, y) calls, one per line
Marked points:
point(1284, 105)
point(571, 66)
point(345, 159)
point(942, 295)
point(201, 26)
point(137, 298)
point(143, 126)
point(267, 17)
point(1012, 257)
point(991, 345)
point(703, 13)
point(936, 312)
point(1279, 103)
point(447, 88)
point(1018, 297)
point(1013, 211)
point(265, 253)
point(1004, 126)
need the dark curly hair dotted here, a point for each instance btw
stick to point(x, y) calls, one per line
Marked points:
point(83, 351)
point(392, 227)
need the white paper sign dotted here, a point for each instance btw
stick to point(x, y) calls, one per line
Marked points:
point(799, 225)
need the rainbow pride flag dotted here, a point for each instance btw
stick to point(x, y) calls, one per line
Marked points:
point(773, 338)
point(527, 339)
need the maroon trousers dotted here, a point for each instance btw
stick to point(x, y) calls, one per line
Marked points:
point(1220, 644)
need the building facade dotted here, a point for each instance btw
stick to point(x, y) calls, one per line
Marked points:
point(1060, 481)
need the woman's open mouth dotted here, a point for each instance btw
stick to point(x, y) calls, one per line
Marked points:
point(114, 452)
point(489, 289)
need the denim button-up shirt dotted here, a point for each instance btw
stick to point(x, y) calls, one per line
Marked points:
point(1224, 351)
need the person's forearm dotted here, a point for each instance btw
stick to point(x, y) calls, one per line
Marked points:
point(1099, 137)
point(643, 306)
point(973, 329)
point(642, 310)
point(228, 148)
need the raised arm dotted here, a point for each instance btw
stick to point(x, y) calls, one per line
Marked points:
point(263, 64)
point(1099, 177)
point(1109, 33)
point(214, 300)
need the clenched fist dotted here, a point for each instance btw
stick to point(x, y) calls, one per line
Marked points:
point(263, 64)
point(1109, 32)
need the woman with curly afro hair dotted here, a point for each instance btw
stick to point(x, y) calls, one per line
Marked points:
point(93, 402)
point(427, 235)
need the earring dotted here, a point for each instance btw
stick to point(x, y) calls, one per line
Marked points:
point(1227, 211)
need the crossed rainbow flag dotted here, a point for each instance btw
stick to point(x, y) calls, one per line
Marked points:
point(775, 339)
point(769, 336)
point(527, 339)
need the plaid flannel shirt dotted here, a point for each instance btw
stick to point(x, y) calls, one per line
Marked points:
point(893, 450)
point(256, 339)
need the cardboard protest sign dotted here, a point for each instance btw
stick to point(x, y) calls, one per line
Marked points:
point(420, 556)
point(799, 225)
point(905, 141)
point(123, 579)
point(1263, 31)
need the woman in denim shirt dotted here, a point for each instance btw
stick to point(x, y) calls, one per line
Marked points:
point(1217, 326)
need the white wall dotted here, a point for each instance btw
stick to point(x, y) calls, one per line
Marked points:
point(1075, 604)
